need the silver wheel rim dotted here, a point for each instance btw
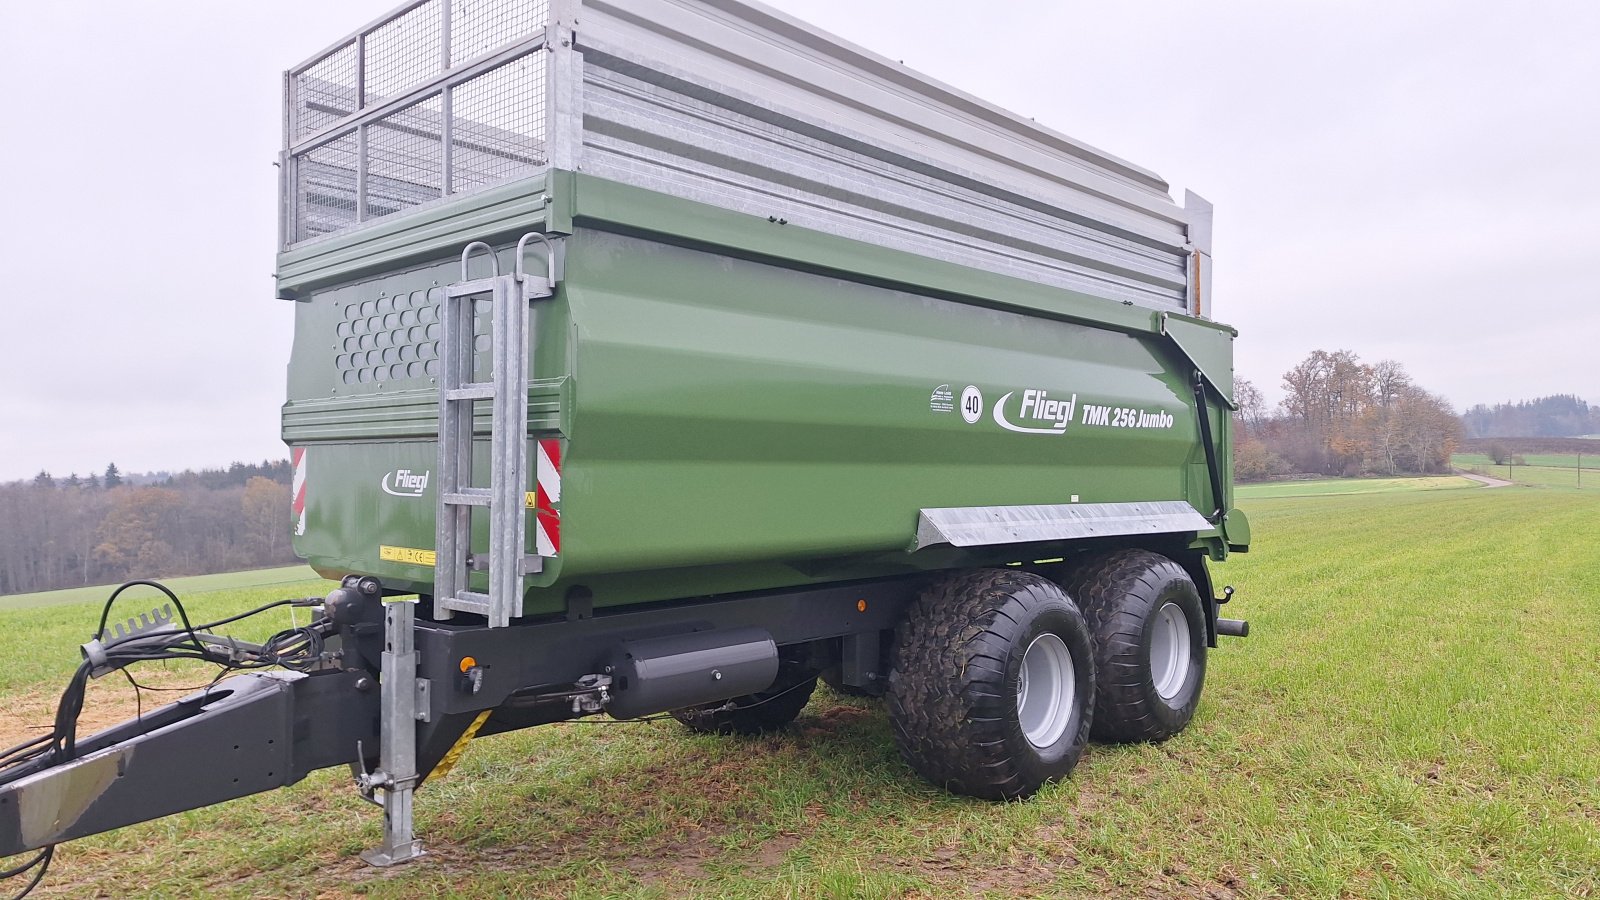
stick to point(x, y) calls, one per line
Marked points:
point(1169, 651)
point(1047, 690)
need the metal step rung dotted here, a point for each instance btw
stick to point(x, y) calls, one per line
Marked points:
point(469, 497)
point(469, 602)
point(471, 288)
point(478, 390)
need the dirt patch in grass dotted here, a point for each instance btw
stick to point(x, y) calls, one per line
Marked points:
point(111, 700)
point(675, 859)
point(773, 851)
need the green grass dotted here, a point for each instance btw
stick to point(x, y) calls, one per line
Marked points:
point(1545, 476)
point(1413, 716)
point(194, 584)
point(1328, 486)
point(38, 642)
point(1552, 460)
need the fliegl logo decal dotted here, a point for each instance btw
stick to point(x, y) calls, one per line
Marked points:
point(1037, 413)
point(405, 483)
point(1034, 411)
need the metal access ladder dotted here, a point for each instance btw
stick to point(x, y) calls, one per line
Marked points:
point(509, 297)
point(404, 696)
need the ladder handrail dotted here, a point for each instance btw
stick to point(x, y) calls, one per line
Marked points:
point(494, 260)
point(550, 258)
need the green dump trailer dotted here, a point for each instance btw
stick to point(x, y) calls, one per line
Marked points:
point(669, 355)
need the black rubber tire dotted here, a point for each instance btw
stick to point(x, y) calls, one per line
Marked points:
point(953, 682)
point(1120, 594)
point(758, 713)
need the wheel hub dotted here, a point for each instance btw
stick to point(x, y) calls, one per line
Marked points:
point(1169, 651)
point(1047, 690)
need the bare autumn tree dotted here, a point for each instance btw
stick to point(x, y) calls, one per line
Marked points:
point(1253, 460)
point(265, 505)
point(1326, 394)
point(1328, 388)
point(1341, 416)
point(57, 533)
point(1389, 381)
point(138, 532)
point(1429, 431)
point(1252, 412)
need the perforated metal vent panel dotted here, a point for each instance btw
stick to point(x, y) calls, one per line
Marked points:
point(392, 338)
point(396, 338)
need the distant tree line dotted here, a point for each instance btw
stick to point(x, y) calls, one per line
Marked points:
point(110, 527)
point(1343, 417)
point(1560, 416)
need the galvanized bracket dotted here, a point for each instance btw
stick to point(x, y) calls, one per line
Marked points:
point(424, 704)
point(395, 782)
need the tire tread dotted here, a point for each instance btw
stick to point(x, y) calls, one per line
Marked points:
point(946, 701)
point(1104, 586)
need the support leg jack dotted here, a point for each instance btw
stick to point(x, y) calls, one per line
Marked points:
point(395, 782)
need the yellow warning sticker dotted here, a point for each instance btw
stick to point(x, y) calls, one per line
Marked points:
point(532, 499)
point(406, 555)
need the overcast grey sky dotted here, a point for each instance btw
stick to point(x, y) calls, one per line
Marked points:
point(1409, 180)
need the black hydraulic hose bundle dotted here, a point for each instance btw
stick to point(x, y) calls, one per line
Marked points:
point(39, 864)
point(298, 649)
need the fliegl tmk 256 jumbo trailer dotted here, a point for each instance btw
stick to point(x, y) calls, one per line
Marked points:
point(671, 355)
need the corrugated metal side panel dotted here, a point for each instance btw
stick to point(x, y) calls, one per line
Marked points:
point(735, 105)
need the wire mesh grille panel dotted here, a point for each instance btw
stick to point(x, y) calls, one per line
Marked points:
point(403, 53)
point(414, 109)
point(479, 26)
point(325, 192)
point(324, 92)
point(499, 124)
point(405, 158)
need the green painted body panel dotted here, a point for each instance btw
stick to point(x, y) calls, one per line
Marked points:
point(1238, 530)
point(743, 405)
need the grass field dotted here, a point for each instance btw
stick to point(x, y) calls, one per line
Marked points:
point(1544, 476)
point(1245, 493)
point(1413, 716)
point(1550, 460)
point(193, 584)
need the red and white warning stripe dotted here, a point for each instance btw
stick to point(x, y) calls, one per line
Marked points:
point(299, 456)
point(547, 519)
